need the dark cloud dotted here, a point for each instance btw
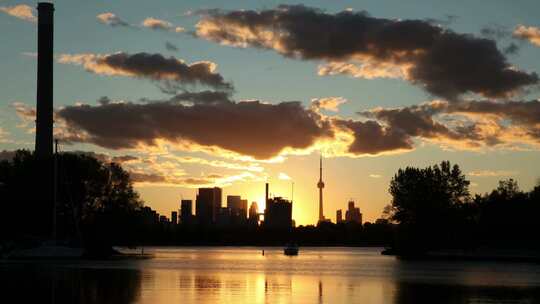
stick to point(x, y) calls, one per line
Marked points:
point(417, 121)
point(370, 137)
point(496, 123)
point(443, 62)
point(210, 180)
point(171, 46)
point(144, 177)
point(446, 20)
point(202, 97)
point(123, 159)
point(249, 128)
point(520, 112)
point(524, 115)
point(105, 157)
point(170, 71)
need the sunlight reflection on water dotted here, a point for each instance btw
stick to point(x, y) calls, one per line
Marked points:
point(244, 275)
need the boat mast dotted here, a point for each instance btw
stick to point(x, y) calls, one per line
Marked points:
point(55, 188)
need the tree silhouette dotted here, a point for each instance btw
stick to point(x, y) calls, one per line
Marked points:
point(425, 203)
point(96, 202)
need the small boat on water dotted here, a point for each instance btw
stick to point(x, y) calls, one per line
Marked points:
point(291, 249)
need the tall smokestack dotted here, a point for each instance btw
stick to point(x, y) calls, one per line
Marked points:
point(44, 100)
point(266, 195)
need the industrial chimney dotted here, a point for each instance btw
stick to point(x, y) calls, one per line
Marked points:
point(44, 96)
point(266, 195)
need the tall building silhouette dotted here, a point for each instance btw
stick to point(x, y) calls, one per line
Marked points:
point(320, 185)
point(186, 211)
point(238, 209)
point(254, 214)
point(339, 216)
point(278, 213)
point(353, 214)
point(44, 95)
point(174, 217)
point(207, 205)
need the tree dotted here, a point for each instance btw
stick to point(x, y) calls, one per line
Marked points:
point(425, 203)
point(96, 200)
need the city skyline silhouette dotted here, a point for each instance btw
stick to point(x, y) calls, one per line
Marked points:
point(150, 99)
point(383, 152)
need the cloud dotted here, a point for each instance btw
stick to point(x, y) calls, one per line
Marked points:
point(443, 62)
point(529, 33)
point(284, 176)
point(161, 25)
point(168, 170)
point(368, 69)
point(170, 71)
point(4, 136)
point(328, 103)
point(202, 97)
point(375, 175)
point(465, 125)
point(416, 121)
point(21, 11)
point(210, 180)
point(250, 128)
point(112, 20)
point(214, 163)
point(212, 123)
point(372, 138)
point(26, 114)
point(491, 173)
point(171, 47)
point(124, 159)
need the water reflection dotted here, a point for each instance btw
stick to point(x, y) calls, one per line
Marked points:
point(217, 277)
point(28, 283)
point(413, 293)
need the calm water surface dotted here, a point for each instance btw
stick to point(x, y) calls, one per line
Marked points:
point(243, 275)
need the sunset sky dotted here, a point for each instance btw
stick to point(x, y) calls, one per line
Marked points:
point(186, 94)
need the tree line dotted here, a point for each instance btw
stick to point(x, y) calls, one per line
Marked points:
point(433, 209)
point(97, 207)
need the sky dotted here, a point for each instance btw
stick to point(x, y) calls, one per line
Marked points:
point(188, 94)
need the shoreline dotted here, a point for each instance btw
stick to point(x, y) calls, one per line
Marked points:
point(484, 255)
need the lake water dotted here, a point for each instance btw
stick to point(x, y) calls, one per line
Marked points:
point(243, 275)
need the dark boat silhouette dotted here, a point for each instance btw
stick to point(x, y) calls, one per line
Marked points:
point(290, 249)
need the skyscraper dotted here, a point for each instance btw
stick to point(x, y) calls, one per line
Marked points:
point(238, 209)
point(339, 216)
point(320, 185)
point(207, 205)
point(186, 211)
point(353, 214)
point(254, 214)
point(278, 213)
point(174, 217)
point(237, 205)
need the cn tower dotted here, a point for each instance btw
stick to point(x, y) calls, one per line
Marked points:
point(320, 185)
